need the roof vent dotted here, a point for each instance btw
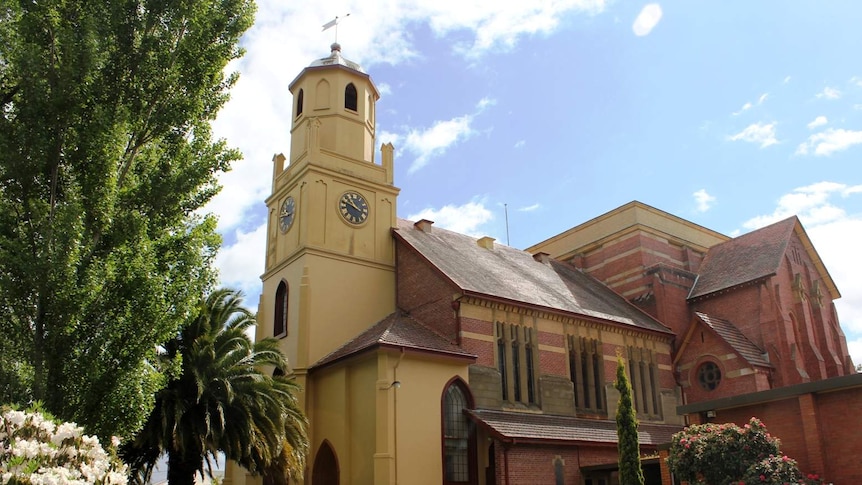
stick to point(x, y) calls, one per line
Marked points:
point(424, 225)
point(486, 242)
point(542, 257)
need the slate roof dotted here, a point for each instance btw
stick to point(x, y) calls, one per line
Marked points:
point(735, 338)
point(513, 426)
point(744, 259)
point(511, 274)
point(396, 331)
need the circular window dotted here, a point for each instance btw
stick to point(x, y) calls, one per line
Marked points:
point(709, 376)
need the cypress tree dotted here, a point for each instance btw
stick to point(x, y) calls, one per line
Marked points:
point(627, 430)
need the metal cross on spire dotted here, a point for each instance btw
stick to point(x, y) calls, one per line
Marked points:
point(334, 23)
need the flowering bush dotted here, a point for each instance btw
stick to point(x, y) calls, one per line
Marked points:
point(35, 450)
point(720, 454)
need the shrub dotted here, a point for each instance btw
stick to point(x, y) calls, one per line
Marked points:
point(36, 450)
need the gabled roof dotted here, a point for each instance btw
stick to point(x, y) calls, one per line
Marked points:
point(545, 428)
point(515, 276)
point(396, 331)
point(735, 338)
point(743, 259)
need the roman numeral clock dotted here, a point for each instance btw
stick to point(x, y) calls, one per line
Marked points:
point(353, 207)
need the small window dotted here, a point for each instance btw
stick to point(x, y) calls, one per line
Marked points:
point(279, 327)
point(299, 99)
point(709, 376)
point(350, 97)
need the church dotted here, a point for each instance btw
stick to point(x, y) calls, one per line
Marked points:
point(431, 357)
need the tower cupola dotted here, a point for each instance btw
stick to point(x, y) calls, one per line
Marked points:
point(335, 97)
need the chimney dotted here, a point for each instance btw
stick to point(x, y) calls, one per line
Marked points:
point(424, 225)
point(542, 257)
point(486, 242)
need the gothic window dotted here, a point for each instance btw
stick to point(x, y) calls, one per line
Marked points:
point(585, 371)
point(299, 99)
point(350, 97)
point(458, 437)
point(279, 328)
point(643, 374)
point(325, 471)
point(516, 362)
point(709, 376)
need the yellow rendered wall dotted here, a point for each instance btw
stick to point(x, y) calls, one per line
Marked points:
point(381, 434)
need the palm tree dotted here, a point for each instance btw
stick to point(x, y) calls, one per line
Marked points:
point(222, 400)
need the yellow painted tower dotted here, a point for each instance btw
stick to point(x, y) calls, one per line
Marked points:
point(330, 268)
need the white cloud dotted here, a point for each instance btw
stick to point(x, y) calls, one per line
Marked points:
point(520, 143)
point(241, 264)
point(465, 219)
point(829, 141)
point(647, 20)
point(745, 107)
point(818, 207)
point(856, 80)
point(530, 208)
point(434, 141)
point(819, 121)
point(704, 200)
point(786, 80)
point(761, 133)
point(829, 93)
point(384, 89)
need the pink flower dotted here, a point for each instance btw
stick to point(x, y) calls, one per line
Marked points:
point(762, 478)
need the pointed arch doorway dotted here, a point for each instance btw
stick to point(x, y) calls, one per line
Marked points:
point(325, 471)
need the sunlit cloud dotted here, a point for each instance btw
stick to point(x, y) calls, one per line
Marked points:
point(465, 219)
point(431, 142)
point(530, 208)
point(829, 93)
point(520, 143)
point(819, 121)
point(829, 141)
point(704, 200)
point(820, 209)
point(647, 19)
point(241, 264)
point(760, 133)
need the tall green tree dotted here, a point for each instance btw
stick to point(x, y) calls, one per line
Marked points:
point(627, 430)
point(106, 158)
point(223, 400)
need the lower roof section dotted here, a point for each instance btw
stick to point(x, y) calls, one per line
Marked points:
point(516, 427)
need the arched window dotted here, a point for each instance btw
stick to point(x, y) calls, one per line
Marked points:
point(299, 99)
point(350, 97)
point(459, 437)
point(325, 470)
point(279, 327)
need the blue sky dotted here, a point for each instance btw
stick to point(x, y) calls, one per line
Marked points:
point(731, 114)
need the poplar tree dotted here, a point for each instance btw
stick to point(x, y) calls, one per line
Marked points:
point(627, 430)
point(106, 158)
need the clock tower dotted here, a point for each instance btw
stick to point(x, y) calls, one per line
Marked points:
point(330, 257)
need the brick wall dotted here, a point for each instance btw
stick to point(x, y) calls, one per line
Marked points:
point(424, 293)
point(820, 431)
point(535, 465)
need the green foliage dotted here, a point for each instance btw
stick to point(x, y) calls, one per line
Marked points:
point(627, 430)
point(223, 400)
point(106, 157)
point(721, 454)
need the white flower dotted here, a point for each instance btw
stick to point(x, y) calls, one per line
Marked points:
point(15, 417)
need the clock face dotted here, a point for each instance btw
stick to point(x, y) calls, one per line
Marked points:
point(353, 207)
point(288, 210)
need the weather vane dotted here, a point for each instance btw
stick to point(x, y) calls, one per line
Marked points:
point(334, 23)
